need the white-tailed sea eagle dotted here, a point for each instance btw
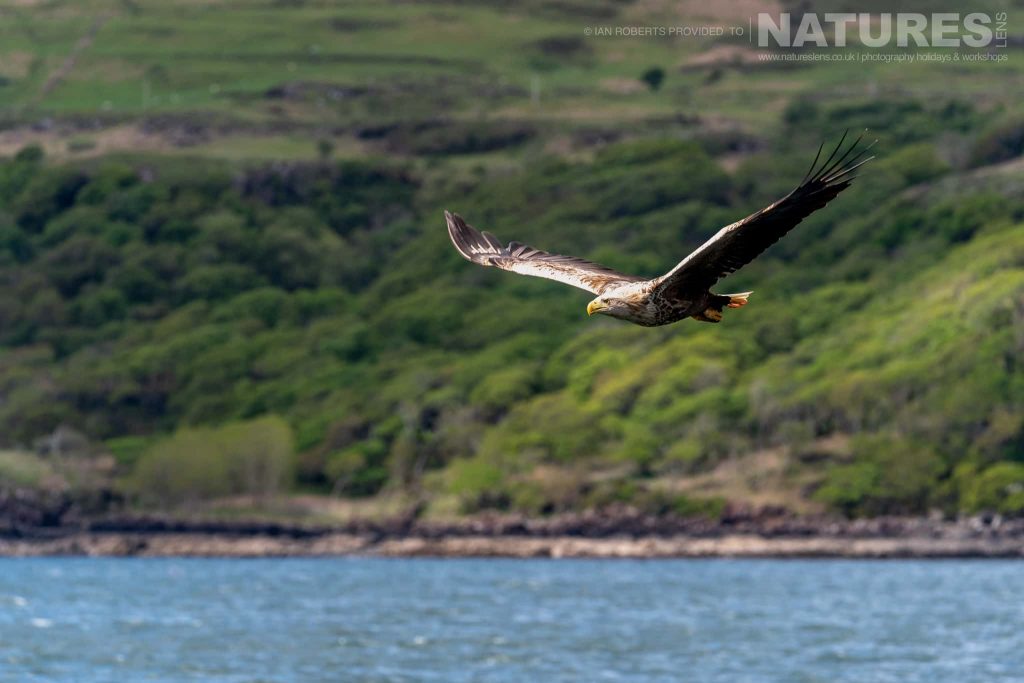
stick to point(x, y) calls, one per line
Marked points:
point(684, 291)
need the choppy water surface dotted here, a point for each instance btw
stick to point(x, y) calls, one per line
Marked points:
point(88, 620)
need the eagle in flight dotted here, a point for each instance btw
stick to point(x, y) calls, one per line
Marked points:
point(684, 291)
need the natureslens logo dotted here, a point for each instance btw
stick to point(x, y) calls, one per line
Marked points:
point(901, 29)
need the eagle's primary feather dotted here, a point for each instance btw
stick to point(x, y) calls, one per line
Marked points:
point(684, 291)
point(484, 249)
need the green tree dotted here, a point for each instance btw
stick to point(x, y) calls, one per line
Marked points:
point(653, 77)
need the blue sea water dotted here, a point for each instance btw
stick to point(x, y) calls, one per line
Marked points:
point(453, 621)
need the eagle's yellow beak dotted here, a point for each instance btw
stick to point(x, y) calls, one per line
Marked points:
point(595, 306)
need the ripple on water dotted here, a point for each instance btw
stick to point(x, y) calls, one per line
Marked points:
point(459, 621)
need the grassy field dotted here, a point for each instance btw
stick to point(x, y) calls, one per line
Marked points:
point(269, 79)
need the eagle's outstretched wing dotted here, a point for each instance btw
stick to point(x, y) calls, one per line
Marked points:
point(484, 249)
point(740, 243)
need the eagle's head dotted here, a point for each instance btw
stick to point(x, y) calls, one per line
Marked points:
point(617, 307)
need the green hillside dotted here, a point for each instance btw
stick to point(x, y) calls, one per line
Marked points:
point(267, 301)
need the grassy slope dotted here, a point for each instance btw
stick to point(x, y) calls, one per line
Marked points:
point(425, 61)
point(873, 371)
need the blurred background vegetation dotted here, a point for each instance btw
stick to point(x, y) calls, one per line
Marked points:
point(225, 280)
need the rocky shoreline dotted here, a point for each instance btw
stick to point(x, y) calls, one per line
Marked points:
point(618, 534)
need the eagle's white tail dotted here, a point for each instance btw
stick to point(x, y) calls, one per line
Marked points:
point(713, 313)
point(738, 300)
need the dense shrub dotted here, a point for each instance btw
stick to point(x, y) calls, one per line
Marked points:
point(22, 469)
point(252, 458)
point(478, 484)
point(889, 475)
point(1003, 141)
point(999, 488)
